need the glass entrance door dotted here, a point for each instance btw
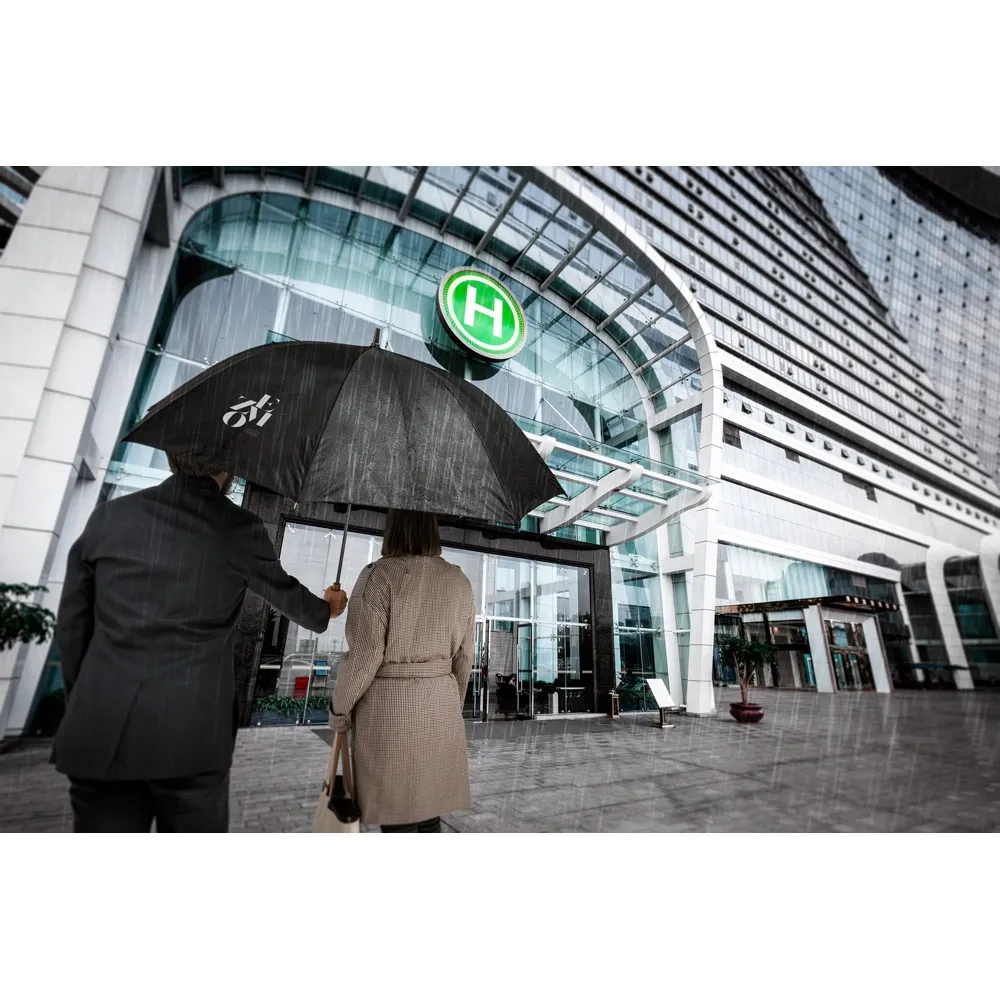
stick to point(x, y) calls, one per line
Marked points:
point(500, 682)
point(563, 671)
point(509, 656)
point(849, 655)
point(533, 648)
point(298, 668)
point(476, 694)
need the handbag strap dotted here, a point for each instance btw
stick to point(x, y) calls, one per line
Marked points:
point(342, 749)
point(331, 771)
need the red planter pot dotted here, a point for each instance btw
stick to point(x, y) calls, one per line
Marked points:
point(746, 713)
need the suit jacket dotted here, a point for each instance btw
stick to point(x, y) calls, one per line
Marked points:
point(145, 631)
point(411, 629)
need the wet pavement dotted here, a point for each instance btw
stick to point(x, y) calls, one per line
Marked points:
point(905, 762)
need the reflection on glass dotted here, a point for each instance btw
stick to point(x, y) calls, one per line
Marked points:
point(508, 587)
point(562, 593)
point(299, 668)
point(849, 656)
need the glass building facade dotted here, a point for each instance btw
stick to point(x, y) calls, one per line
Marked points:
point(263, 268)
point(936, 265)
point(976, 627)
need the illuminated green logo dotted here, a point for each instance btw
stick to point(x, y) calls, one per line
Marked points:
point(481, 314)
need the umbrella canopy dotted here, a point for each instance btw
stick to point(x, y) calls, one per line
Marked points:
point(341, 424)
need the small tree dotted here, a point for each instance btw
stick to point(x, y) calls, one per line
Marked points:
point(746, 657)
point(22, 620)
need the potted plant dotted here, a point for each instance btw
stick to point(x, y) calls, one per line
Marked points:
point(275, 709)
point(747, 658)
point(632, 692)
point(22, 621)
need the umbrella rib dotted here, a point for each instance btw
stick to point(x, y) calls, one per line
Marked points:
point(500, 479)
point(330, 415)
point(399, 395)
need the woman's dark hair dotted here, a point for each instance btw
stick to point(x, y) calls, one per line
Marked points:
point(411, 533)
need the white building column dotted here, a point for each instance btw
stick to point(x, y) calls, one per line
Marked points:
point(675, 683)
point(876, 654)
point(700, 690)
point(937, 556)
point(989, 571)
point(559, 183)
point(905, 612)
point(707, 518)
point(62, 278)
point(818, 649)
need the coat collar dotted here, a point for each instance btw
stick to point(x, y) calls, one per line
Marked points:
point(202, 484)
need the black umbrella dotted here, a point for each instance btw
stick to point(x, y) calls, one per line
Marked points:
point(334, 423)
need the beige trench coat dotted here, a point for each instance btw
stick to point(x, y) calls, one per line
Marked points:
point(410, 632)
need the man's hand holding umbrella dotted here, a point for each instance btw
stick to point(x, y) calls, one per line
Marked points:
point(335, 596)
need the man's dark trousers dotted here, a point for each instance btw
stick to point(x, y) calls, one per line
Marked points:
point(178, 805)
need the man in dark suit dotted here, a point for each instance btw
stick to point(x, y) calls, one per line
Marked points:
point(145, 633)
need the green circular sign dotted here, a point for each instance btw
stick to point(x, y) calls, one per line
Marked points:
point(481, 314)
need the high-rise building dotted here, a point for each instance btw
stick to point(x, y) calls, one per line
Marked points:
point(934, 260)
point(746, 437)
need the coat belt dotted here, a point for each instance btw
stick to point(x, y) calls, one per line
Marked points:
point(433, 668)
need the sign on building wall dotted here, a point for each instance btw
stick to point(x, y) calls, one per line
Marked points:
point(482, 315)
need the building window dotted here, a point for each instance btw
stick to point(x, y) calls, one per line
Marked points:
point(731, 435)
point(860, 484)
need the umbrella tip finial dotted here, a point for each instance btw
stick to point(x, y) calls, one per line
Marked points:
point(377, 339)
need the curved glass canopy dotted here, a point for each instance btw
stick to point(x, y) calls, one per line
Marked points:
point(265, 266)
point(507, 218)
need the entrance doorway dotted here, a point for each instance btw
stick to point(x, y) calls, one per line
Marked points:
point(534, 650)
point(849, 656)
point(785, 632)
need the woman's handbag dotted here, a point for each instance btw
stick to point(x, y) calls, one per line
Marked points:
point(336, 811)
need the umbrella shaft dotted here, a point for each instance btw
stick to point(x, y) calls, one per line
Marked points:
point(343, 543)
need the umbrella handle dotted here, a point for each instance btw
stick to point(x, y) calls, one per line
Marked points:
point(343, 544)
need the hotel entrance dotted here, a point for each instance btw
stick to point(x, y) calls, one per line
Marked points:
point(535, 643)
point(819, 644)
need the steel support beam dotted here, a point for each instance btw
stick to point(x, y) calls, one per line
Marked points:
point(652, 519)
point(592, 497)
point(663, 354)
point(604, 274)
point(459, 199)
point(645, 326)
point(309, 180)
point(361, 186)
point(544, 445)
point(411, 195)
point(685, 407)
point(501, 215)
point(567, 260)
point(631, 300)
point(534, 239)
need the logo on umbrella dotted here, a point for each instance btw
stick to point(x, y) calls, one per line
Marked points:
point(481, 314)
point(250, 411)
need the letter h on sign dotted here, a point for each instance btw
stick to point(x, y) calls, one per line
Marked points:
point(472, 307)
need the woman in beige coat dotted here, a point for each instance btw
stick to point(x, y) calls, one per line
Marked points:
point(410, 633)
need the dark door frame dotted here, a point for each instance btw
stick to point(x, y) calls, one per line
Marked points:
point(275, 511)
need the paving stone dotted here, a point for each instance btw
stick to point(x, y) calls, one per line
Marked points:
point(913, 762)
